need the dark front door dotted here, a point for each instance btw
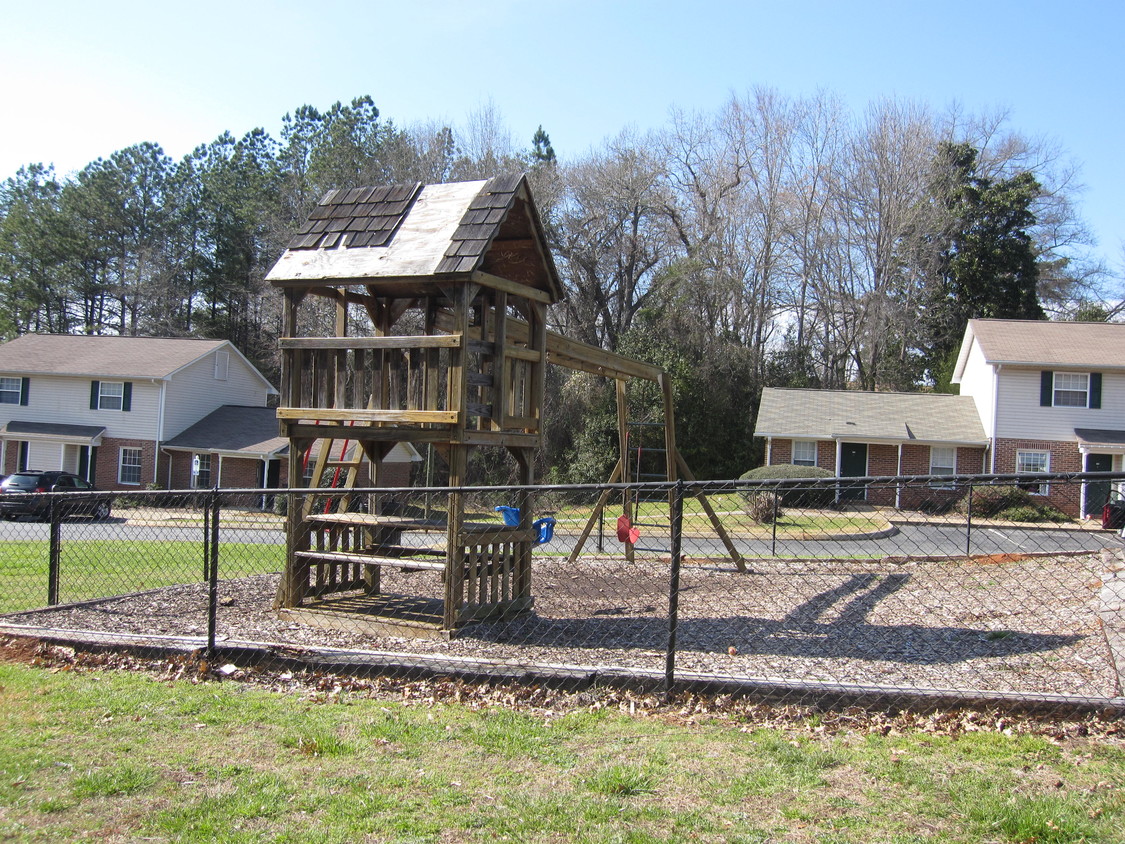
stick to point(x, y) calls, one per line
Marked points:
point(853, 464)
point(1097, 492)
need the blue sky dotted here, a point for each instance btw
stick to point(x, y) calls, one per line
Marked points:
point(83, 79)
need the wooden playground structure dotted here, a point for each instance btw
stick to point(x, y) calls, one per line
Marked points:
point(418, 314)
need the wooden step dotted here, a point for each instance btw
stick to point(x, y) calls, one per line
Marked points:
point(406, 562)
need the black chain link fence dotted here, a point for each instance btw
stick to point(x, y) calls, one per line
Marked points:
point(914, 592)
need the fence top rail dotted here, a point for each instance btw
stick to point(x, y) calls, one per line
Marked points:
point(664, 487)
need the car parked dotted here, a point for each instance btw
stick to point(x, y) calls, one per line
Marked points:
point(21, 495)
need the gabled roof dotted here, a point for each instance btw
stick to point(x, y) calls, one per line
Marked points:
point(424, 233)
point(110, 356)
point(102, 356)
point(1088, 345)
point(854, 416)
point(234, 429)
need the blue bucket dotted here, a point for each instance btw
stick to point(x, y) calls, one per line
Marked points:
point(511, 515)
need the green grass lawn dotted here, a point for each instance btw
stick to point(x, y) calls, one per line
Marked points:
point(126, 756)
point(102, 568)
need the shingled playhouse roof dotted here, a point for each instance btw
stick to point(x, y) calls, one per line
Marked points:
point(419, 233)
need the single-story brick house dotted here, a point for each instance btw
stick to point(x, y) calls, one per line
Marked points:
point(858, 434)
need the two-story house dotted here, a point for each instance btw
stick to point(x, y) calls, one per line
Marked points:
point(1051, 398)
point(104, 407)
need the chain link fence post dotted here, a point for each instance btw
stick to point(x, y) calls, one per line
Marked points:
point(674, 587)
point(969, 521)
point(212, 565)
point(773, 525)
point(54, 552)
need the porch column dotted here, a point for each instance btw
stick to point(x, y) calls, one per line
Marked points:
point(839, 452)
point(898, 473)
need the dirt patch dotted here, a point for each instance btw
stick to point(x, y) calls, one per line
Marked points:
point(1023, 626)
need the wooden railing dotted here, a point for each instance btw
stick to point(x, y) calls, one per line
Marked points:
point(419, 380)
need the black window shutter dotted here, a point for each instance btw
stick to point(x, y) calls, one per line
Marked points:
point(1046, 388)
point(25, 390)
point(127, 396)
point(95, 387)
point(1095, 390)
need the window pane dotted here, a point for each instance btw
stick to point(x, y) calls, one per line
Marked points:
point(203, 477)
point(9, 390)
point(110, 396)
point(943, 461)
point(1071, 389)
point(804, 453)
point(130, 469)
point(1033, 461)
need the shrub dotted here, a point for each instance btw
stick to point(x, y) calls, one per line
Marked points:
point(759, 506)
point(795, 496)
point(1033, 513)
point(1009, 502)
point(993, 500)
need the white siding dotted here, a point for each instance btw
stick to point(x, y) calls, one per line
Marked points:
point(977, 381)
point(45, 456)
point(66, 400)
point(194, 392)
point(1020, 415)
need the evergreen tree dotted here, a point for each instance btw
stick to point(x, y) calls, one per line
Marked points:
point(987, 260)
point(541, 150)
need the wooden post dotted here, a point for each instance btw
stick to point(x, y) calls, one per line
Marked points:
point(454, 540)
point(500, 363)
point(294, 580)
point(525, 458)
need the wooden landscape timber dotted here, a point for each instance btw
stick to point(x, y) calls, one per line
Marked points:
point(438, 336)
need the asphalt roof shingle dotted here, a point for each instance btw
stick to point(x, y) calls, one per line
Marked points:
point(101, 356)
point(357, 217)
point(1078, 344)
point(859, 416)
point(233, 428)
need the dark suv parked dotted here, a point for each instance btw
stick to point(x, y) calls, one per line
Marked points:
point(19, 496)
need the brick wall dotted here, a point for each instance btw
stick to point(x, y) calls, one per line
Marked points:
point(109, 463)
point(883, 461)
point(826, 455)
point(781, 452)
point(1065, 457)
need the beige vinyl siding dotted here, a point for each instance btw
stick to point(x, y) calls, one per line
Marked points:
point(976, 381)
point(47, 456)
point(194, 392)
point(66, 399)
point(1021, 417)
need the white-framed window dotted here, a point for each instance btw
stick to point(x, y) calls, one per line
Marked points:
point(201, 471)
point(943, 461)
point(129, 466)
point(804, 453)
point(111, 395)
point(10, 390)
point(1029, 462)
point(1071, 389)
point(222, 365)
